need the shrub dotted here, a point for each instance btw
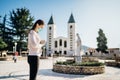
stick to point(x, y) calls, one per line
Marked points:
point(80, 64)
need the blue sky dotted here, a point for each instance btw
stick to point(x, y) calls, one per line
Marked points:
point(90, 15)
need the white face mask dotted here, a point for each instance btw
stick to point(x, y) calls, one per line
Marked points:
point(40, 29)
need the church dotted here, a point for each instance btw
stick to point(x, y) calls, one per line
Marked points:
point(61, 45)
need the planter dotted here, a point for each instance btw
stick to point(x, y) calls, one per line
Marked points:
point(3, 58)
point(113, 64)
point(70, 69)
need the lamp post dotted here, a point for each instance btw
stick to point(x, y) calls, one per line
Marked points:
point(13, 49)
point(44, 52)
point(15, 46)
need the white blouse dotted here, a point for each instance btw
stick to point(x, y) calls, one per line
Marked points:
point(34, 45)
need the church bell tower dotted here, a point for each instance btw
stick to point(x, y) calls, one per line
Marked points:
point(50, 36)
point(71, 36)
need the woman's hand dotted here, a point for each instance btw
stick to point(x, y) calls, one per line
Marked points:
point(42, 41)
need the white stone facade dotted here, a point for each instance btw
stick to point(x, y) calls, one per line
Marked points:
point(61, 45)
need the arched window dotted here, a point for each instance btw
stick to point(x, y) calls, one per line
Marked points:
point(60, 52)
point(55, 43)
point(91, 53)
point(70, 26)
point(65, 52)
point(60, 42)
point(86, 53)
point(55, 52)
point(49, 28)
point(65, 43)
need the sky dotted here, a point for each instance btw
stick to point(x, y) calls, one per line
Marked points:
point(90, 15)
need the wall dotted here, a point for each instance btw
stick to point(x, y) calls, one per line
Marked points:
point(78, 69)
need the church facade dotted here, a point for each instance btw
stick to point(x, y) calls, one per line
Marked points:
point(61, 45)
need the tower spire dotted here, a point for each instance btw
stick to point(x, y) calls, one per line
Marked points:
point(71, 19)
point(51, 21)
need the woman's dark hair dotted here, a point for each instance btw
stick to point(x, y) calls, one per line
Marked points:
point(40, 22)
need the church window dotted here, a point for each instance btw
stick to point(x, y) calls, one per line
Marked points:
point(65, 52)
point(55, 52)
point(49, 28)
point(55, 43)
point(60, 52)
point(65, 43)
point(90, 53)
point(60, 42)
point(86, 53)
point(70, 26)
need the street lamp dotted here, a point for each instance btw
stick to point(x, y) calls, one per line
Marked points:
point(15, 46)
point(13, 49)
point(44, 52)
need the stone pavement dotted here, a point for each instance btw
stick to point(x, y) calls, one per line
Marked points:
point(20, 70)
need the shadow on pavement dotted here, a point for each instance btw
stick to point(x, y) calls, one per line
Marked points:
point(14, 76)
point(49, 72)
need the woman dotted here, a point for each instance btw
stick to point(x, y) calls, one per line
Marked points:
point(34, 47)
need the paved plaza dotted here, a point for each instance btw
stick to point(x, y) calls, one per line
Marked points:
point(19, 71)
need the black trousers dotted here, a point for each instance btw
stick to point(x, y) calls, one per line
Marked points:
point(34, 65)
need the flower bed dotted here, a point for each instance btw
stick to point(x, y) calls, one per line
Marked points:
point(114, 64)
point(83, 68)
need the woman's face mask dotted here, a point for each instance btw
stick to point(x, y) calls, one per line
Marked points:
point(40, 29)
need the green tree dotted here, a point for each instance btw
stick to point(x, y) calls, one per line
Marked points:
point(21, 22)
point(2, 44)
point(102, 41)
point(6, 33)
point(0, 26)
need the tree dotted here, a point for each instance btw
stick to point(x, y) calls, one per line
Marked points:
point(102, 41)
point(21, 22)
point(2, 44)
point(3, 28)
point(0, 26)
point(6, 33)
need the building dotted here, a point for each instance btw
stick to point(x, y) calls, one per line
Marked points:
point(112, 52)
point(61, 45)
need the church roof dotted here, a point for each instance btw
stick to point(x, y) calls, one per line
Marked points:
point(71, 19)
point(51, 20)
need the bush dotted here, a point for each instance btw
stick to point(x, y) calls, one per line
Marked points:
point(90, 64)
point(65, 63)
point(81, 64)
